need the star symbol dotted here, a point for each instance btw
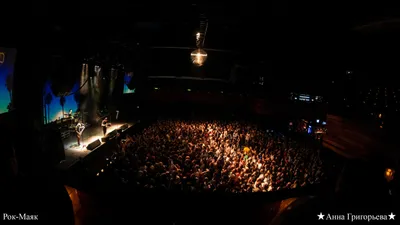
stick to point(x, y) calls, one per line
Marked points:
point(391, 216)
point(320, 216)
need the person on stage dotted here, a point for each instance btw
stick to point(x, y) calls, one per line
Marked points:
point(70, 113)
point(79, 129)
point(104, 124)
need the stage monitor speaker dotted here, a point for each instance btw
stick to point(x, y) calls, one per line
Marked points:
point(124, 127)
point(109, 136)
point(93, 145)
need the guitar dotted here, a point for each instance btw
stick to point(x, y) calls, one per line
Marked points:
point(106, 125)
point(79, 130)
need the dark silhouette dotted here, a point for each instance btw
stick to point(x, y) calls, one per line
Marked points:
point(47, 101)
point(44, 107)
point(62, 103)
point(9, 85)
point(9, 106)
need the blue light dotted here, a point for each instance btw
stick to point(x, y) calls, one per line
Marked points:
point(7, 59)
point(127, 81)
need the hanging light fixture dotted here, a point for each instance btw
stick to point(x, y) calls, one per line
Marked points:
point(198, 56)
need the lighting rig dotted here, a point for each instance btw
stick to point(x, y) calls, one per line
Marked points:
point(199, 56)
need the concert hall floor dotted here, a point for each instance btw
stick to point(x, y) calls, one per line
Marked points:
point(73, 152)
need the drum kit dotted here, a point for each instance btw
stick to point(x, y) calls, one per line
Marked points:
point(72, 119)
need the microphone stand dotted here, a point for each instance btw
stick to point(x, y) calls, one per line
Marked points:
point(109, 115)
point(83, 122)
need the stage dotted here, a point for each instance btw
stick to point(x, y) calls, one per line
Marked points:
point(73, 152)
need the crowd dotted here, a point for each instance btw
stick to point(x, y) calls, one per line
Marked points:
point(215, 156)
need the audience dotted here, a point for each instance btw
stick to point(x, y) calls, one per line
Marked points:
point(214, 156)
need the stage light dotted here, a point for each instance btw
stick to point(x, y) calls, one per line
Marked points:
point(189, 90)
point(98, 174)
point(198, 36)
point(102, 170)
point(2, 57)
point(198, 57)
point(97, 69)
point(389, 174)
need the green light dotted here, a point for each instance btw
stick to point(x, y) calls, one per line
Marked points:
point(189, 89)
point(156, 88)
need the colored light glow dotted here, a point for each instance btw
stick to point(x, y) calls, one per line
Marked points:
point(7, 60)
point(127, 81)
point(389, 174)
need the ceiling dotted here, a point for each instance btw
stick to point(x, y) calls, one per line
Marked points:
point(309, 40)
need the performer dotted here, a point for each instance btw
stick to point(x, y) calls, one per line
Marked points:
point(104, 124)
point(79, 130)
point(70, 113)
